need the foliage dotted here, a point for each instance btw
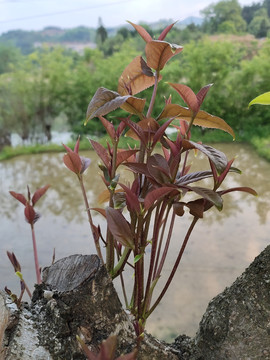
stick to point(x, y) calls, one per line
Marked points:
point(141, 214)
point(107, 350)
point(225, 14)
point(31, 216)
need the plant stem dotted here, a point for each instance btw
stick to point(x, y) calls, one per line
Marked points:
point(194, 221)
point(121, 263)
point(153, 98)
point(165, 251)
point(35, 255)
point(92, 226)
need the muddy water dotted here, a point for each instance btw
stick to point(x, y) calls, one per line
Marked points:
point(221, 246)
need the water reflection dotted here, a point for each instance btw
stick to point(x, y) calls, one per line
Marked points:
point(222, 245)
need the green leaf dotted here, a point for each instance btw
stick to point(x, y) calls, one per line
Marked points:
point(138, 257)
point(263, 99)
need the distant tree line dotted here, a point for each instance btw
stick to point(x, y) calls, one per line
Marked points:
point(51, 86)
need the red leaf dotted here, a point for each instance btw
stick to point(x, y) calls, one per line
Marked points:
point(103, 102)
point(137, 129)
point(19, 197)
point(178, 208)
point(124, 155)
point(157, 194)
point(196, 208)
point(208, 194)
point(77, 145)
point(100, 211)
point(102, 153)
point(193, 177)
point(30, 215)
point(165, 31)
point(159, 52)
point(188, 96)
point(160, 132)
point(142, 32)
point(73, 162)
point(159, 168)
point(242, 188)
point(133, 203)
point(108, 126)
point(119, 227)
point(39, 193)
point(14, 261)
point(202, 93)
point(68, 149)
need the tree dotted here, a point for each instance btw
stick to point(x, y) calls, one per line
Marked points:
point(8, 55)
point(260, 24)
point(226, 10)
point(101, 34)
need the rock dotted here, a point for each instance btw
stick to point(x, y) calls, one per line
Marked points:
point(77, 297)
point(236, 324)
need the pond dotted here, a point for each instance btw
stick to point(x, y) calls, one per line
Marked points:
point(220, 248)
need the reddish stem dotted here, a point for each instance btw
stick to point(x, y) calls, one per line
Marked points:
point(195, 219)
point(35, 255)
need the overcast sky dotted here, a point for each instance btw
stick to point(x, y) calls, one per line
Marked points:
point(37, 14)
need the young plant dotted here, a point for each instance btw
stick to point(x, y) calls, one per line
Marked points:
point(31, 216)
point(107, 350)
point(140, 215)
point(18, 272)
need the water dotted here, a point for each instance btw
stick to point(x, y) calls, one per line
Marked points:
point(220, 248)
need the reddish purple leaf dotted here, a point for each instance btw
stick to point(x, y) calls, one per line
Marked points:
point(119, 227)
point(19, 197)
point(209, 195)
point(178, 208)
point(73, 162)
point(137, 129)
point(193, 177)
point(68, 149)
point(102, 153)
point(188, 96)
point(165, 31)
point(159, 169)
point(160, 132)
point(77, 145)
point(14, 261)
point(157, 194)
point(202, 93)
point(30, 215)
point(132, 201)
point(124, 155)
point(142, 32)
point(103, 102)
point(241, 188)
point(196, 208)
point(39, 193)
point(108, 126)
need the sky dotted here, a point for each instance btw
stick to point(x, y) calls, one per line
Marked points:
point(37, 14)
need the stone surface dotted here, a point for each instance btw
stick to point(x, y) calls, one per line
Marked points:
point(77, 297)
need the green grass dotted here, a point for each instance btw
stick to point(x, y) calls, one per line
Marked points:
point(261, 144)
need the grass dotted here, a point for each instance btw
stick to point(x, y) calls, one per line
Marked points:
point(260, 144)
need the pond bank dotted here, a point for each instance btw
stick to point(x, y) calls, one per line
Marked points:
point(260, 145)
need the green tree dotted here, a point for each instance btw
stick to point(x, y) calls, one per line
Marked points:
point(9, 55)
point(260, 24)
point(223, 11)
point(101, 34)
